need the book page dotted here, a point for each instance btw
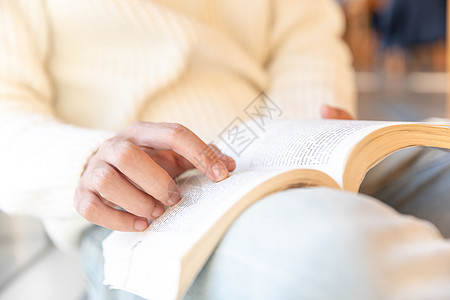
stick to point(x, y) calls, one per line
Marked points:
point(147, 264)
point(315, 144)
point(201, 198)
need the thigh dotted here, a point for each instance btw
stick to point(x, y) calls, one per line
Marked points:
point(414, 181)
point(313, 243)
point(320, 243)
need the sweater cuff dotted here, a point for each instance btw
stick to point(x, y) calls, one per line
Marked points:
point(44, 165)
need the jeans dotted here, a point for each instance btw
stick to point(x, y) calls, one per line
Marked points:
point(321, 243)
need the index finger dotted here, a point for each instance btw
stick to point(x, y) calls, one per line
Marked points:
point(176, 137)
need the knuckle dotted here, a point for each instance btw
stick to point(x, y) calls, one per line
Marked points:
point(102, 178)
point(107, 144)
point(208, 153)
point(177, 131)
point(124, 152)
point(215, 149)
point(87, 209)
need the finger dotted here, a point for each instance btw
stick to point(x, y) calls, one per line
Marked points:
point(171, 161)
point(229, 162)
point(329, 112)
point(176, 164)
point(168, 136)
point(138, 167)
point(115, 188)
point(95, 211)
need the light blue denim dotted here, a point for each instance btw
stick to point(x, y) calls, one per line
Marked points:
point(320, 243)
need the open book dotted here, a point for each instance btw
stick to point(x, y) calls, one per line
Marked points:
point(162, 262)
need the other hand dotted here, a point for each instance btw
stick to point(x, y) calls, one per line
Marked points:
point(329, 112)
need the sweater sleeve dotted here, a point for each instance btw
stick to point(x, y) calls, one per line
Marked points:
point(309, 64)
point(41, 157)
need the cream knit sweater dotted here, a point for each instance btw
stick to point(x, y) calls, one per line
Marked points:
point(73, 72)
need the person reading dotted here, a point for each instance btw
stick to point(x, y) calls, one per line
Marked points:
point(92, 95)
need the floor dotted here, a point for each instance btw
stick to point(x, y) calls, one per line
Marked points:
point(52, 276)
point(32, 269)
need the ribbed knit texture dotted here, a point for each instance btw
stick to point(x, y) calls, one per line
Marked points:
point(73, 72)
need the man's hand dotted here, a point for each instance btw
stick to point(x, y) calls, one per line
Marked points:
point(329, 112)
point(134, 171)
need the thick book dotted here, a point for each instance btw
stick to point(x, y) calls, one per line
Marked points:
point(163, 261)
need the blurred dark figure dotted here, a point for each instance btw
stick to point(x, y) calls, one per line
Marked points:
point(406, 23)
point(412, 35)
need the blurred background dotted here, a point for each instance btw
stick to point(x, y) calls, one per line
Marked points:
point(399, 52)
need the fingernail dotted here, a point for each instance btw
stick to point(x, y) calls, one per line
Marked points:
point(141, 224)
point(219, 170)
point(174, 197)
point(158, 210)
